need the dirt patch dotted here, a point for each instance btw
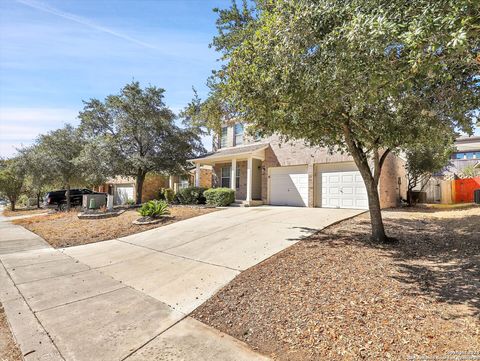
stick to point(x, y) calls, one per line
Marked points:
point(23, 212)
point(338, 296)
point(66, 229)
point(9, 350)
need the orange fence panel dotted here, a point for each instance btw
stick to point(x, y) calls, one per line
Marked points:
point(464, 189)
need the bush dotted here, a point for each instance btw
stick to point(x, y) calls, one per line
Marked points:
point(154, 209)
point(167, 194)
point(130, 202)
point(220, 197)
point(191, 195)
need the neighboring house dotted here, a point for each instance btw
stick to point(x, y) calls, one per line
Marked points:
point(268, 171)
point(123, 189)
point(467, 154)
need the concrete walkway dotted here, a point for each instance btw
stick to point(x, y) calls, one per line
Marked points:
point(129, 299)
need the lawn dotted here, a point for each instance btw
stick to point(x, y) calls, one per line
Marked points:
point(9, 351)
point(7, 212)
point(64, 229)
point(338, 296)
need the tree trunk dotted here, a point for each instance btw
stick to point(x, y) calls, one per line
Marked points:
point(12, 204)
point(370, 180)
point(38, 200)
point(67, 195)
point(139, 187)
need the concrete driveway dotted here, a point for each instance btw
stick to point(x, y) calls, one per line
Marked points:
point(129, 298)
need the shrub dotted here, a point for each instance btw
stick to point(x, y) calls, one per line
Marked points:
point(167, 194)
point(130, 202)
point(191, 195)
point(220, 197)
point(154, 209)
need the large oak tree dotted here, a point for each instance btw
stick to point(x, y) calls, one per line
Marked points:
point(362, 76)
point(136, 134)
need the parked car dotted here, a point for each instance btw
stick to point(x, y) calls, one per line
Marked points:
point(3, 202)
point(58, 199)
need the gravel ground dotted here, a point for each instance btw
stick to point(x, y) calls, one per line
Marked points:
point(9, 351)
point(65, 229)
point(338, 296)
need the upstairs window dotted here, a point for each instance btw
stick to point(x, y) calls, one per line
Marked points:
point(238, 133)
point(223, 137)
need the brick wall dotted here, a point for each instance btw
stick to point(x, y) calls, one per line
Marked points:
point(393, 172)
point(152, 185)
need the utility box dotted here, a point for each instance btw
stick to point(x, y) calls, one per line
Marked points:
point(109, 202)
point(99, 200)
point(476, 196)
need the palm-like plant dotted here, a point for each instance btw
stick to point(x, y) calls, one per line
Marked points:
point(154, 209)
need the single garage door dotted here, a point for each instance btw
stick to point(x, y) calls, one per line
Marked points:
point(289, 186)
point(337, 188)
point(123, 193)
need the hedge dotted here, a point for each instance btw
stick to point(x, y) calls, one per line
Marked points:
point(220, 197)
point(190, 195)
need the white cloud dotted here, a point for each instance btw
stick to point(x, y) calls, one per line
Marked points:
point(20, 126)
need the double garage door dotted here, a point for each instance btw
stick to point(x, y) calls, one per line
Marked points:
point(335, 186)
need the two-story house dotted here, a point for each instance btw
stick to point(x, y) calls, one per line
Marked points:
point(268, 171)
point(467, 154)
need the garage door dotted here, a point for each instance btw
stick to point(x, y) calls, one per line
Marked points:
point(289, 186)
point(341, 189)
point(123, 193)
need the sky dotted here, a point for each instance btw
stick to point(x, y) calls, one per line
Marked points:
point(56, 53)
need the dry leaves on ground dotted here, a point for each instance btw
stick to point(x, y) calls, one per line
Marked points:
point(64, 229)
point(338, 296)
point(23, 212)
point(9, 351)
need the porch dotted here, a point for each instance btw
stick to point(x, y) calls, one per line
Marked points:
point(238, 168)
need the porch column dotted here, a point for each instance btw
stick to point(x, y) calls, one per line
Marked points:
point(170, 182)
point(249, 179)
point(233, 174)
point(197, 174)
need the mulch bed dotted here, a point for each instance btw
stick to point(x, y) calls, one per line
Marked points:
point(338, 296)
point(9, 350)
point(65, 229)
point(23, 212)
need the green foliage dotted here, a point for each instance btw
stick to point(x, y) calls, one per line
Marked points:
point(167, 194)
point(191, 195)
point(137, 134)
point(471, 171)
point(12, 177)
point(130, 202)
point(154, 209)
point(220, 197)
point(424, 160)
point(360, 76)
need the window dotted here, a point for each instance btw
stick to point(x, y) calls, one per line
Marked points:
point(223, 138)
point(237, 177)
point(225, 176)
point(184, 183)
point(459, 155)
point(238, 133)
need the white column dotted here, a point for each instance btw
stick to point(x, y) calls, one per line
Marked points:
point(197, 175)
point(249, 179)
point(170, 182)
point(233, 174)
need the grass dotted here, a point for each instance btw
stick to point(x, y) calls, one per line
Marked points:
point(339, 296)
point(9, 351)
point(65, 229)
point(7, 212)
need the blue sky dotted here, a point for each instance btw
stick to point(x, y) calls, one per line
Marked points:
point(55, 53)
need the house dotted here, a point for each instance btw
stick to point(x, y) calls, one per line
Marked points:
point(467, 154)
point(124, 188)
point(269, 171)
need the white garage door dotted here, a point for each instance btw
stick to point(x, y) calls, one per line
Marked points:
point(341, 189)
point(289, 186)
point(123, 193)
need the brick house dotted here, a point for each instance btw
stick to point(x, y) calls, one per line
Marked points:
point(269, 171)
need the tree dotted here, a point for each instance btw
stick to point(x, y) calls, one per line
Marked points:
point(60, 150)
point(12, 177)
point(138, 131)
point(37, 171)
point(364, 77)
point(422, 162)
